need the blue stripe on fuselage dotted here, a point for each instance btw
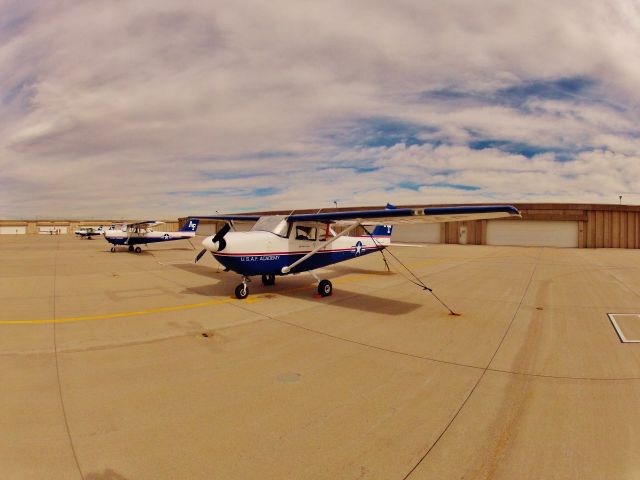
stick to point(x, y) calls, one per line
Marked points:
point(272, 263)
point(140, 240)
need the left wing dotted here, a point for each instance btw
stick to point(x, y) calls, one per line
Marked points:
point(228, 218)
point(411, 215)
point(145, 224)
point(135, 228)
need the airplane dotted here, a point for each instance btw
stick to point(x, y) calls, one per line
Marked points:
point(135, 234)
point(88, 232)
point(279, 245)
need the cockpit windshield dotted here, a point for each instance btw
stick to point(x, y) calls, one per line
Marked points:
point(272, 223)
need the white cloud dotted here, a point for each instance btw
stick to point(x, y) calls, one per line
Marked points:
point(121, 109)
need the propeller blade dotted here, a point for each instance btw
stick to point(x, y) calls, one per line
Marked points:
point(199, 256)
point(223, 231)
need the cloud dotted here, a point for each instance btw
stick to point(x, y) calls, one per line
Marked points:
point(158, 108)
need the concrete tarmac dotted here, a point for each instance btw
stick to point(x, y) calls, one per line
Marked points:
point(142, 366)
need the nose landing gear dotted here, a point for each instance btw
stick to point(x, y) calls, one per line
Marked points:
point(242, 291)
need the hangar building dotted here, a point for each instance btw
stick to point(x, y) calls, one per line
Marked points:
point(64, 227)
point(542, 224)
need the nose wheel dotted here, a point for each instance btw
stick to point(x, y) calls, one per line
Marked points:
point(242, 291)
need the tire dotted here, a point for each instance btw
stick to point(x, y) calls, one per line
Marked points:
point(268, 279)
point(138, 249)
point(131, 248)
point(242, 291)
point(325, 288)
point(113, 249)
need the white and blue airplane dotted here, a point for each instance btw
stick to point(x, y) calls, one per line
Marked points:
point(136, 234)
point(88, 232)
point(280, 245)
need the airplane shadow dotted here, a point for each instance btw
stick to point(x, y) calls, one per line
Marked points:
point(145, 251)
point(301, 287)
point(209, 272)
point(342, 269)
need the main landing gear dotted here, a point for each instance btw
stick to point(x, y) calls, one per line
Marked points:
point(268, 280)
point(324, 286)
point(131, 249)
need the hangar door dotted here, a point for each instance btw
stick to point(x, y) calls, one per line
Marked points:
point(534, 233)
point(13, 230)
point(53, 230)
point(416, 232)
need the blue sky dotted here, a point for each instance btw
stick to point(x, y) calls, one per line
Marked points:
point(159, 108)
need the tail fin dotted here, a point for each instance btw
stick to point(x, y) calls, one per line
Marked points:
point(191, 225)
point(384, 230)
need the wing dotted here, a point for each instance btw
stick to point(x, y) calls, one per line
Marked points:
point(229, 218)
point(145, 224)
point(411, 215)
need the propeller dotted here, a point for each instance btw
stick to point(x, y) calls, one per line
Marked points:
point(217, 238)
point(199, 256)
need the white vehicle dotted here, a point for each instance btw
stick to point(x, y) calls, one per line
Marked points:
point(89, 232)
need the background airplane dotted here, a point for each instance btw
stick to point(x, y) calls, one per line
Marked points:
point(288, 244)
point(136, 234)
point(89, 232)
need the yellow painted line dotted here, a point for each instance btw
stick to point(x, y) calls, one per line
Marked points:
point(117, 315)
point(250, 299)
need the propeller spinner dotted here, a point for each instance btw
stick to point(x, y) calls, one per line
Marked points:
point(215, 244)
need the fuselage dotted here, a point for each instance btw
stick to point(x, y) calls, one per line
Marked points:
point(123, 237)
point(88, 233)
point(265, 253)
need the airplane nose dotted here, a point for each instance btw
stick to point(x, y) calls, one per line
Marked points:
point(210, 245)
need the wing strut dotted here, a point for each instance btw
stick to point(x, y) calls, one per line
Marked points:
point(317, 249)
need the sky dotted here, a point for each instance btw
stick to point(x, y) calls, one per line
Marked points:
point(158, 108)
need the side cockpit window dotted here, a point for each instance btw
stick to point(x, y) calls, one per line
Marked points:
point(305, 233)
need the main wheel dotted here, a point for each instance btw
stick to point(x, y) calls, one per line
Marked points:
point(138, 249)
point(325, 288)
point(268, 279)
point(242, 291)
point(113, 249)
point(131, 248)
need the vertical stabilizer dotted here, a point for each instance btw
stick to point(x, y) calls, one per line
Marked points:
point(384, 230)
point(191, 225)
